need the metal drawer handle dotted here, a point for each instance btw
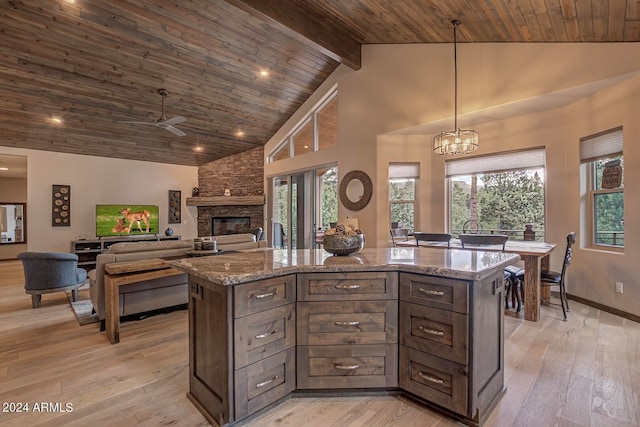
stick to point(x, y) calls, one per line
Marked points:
point(266, 335)
point(347, 323)
point(431, 292)
point(269, 294)
point(346, 367)
point(262, 384)
point(430, 378)
point(347, 287)
point(431, 331)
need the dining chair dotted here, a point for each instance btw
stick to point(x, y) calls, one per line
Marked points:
point(553, 278)
point(398, 234)
point(483, 240)
point(432, 237)
point(513, 287)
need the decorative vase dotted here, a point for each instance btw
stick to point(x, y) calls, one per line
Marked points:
point(343, 245)
point(168, 232)
point(195, 192)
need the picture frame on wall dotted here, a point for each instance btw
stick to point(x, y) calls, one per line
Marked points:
point(175, 209)
point(61, 205)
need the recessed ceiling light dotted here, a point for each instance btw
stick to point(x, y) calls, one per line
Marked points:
point(70, 1)
point(264, 73)
point(4, 169)
point(198, 148)
point(240, 133)
point(306, 146)
point(55, 120)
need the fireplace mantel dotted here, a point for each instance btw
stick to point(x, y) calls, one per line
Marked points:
point(225, 201)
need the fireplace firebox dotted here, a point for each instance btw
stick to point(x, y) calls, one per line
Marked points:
point(230, 225)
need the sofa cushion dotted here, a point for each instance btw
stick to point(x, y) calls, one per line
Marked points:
point(226, 239)
point(127, 247)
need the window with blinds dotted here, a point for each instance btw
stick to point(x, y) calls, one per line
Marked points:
point(501, 193)
point(602, 155)
point(403, 180)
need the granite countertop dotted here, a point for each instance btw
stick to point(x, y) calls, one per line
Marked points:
point(247, 266)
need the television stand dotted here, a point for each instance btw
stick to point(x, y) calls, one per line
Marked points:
point(88, 249)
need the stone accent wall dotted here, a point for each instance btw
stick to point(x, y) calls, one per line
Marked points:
point(243, 175)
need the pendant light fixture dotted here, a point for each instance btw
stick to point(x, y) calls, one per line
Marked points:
point(457, 141)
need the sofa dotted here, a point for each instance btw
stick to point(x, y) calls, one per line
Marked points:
point(144, 296)
point(157, 293)
point(235, 242)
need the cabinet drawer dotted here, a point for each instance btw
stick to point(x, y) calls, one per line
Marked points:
point(434, 379)
point(364, 322)
point(264, 294)
point(262, 383)
point(353, 366)
point(439, 332)
point(347, 286)
point(447, 294)
point(264, 334)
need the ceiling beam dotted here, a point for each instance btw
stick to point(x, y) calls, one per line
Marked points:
point(329, 38)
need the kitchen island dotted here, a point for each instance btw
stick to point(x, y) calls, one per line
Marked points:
point(424, 322)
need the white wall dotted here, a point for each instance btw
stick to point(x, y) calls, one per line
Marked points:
point(403, 86)
point(97, 180)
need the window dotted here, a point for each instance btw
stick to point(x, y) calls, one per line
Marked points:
point(403, 178)
point(317, 131)
point(603, 157)
point(499, 193)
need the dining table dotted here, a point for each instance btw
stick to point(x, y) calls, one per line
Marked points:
point(535, 255)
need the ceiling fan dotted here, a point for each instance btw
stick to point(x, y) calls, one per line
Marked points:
point(163, 122)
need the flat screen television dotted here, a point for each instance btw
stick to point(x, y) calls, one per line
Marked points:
point(125, 220)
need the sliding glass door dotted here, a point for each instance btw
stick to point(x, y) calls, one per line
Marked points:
point(303, 204)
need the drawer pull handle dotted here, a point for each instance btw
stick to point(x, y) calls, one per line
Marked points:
point(264, 383)
point(431, 292)
point(346, 367)
point(430, 378)
point(266, 335)
point(431, 331)
point(268, 294)
point(347, 323)
point(347, 287)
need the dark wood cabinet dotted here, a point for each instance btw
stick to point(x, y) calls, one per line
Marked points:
point(241, 346)
point(347, 330)
point(437, 339)
point(452, 343)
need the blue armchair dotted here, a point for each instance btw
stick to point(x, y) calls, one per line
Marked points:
point(46, 272)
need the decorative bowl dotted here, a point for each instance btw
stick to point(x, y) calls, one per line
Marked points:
point(343, 245)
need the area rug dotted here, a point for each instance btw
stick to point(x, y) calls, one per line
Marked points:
point(83, 308)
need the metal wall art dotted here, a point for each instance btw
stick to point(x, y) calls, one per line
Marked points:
point(175, 202)
point(60, 205)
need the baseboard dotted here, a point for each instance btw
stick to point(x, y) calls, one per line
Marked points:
point(602, 307)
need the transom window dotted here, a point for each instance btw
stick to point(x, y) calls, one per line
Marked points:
point(318, 131)
point(501, 193)
point(603, 158)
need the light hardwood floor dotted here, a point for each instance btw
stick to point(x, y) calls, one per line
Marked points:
point(584, 372)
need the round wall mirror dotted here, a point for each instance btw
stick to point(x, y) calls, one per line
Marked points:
point(355, 191)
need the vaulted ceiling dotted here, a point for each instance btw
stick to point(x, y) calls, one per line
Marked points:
point(71, 72)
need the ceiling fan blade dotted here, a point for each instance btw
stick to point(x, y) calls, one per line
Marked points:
point(174, 131)
point(140, 123)
point(173, 121)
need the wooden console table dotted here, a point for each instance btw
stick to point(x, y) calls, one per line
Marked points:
point(124, 273)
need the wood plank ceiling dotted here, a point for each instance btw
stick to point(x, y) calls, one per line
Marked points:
point(94, 64)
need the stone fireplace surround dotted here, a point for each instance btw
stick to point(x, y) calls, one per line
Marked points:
point(243, 175)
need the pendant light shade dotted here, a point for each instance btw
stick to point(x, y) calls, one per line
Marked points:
point(457, 141)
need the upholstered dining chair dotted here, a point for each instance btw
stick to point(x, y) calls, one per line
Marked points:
point(46, 272)
point(553, 278)
point(431, 238)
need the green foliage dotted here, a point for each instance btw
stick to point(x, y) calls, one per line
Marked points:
point(505, 201)
point(402, 193)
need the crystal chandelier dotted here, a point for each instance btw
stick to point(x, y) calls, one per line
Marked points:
point(457, 141)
